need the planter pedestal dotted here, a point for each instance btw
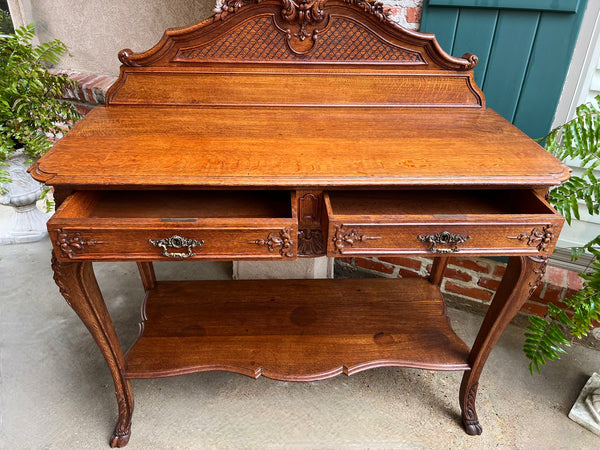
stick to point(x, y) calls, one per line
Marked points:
point(25, 223)
point(586, 410)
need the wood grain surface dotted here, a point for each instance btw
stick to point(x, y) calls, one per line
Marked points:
point(461, 222)
point(131, 225)
point(294, 330)
point(175, 147)
point(302, 99)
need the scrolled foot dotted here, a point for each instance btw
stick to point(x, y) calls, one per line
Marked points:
point(120, 438)
point(473, 428)
point(470, 421)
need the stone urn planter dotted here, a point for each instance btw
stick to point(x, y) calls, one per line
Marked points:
point(586, 410)
point(25, 223)
point(33, 116)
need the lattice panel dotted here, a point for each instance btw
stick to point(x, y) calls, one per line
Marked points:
point(348, 41)
point(255, 40)
point(258, 40)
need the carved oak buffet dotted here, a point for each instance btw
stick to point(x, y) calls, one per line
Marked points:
point(279, 129)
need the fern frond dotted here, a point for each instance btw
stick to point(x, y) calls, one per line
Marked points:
point(543, 341)
point(577, 139)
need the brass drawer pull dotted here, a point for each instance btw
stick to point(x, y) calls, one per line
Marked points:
point(177, 242)
point(444, 237)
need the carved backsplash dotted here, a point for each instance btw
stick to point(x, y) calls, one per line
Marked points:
point(257, 39)
point(275, 38)
point(307, 31)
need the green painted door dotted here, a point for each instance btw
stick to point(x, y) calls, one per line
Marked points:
point(524, 49)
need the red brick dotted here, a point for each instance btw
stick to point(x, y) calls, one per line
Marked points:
point(499, 270)
point(469, 263)
point(69, 93)
point(404, 262)
point(468, 291)
point(457, 275)
point(374, 265)
point(80, 95)
point(489, 283)
point(87, 87)
point(78, 76)
point(535, 309)
point(570, 292)
point(535, 297)
point(101, 87)
point(561, 304)
point(574, 281)
point(394, 11)
point(413, 15)
point(552, 294)
point(556, 276)
point(407, 273)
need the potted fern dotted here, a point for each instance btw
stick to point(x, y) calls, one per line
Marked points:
point(31, 116)
point(546, 338)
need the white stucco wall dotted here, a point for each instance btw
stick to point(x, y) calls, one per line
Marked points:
point(95, 30)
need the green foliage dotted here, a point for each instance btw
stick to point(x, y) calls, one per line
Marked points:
point(6, 25)
point(48, 203)
point(579, 140)
point(30, 106)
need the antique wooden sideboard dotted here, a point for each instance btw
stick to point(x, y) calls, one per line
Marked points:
point(280, 129)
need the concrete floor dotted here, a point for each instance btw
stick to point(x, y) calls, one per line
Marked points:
point(56, 391)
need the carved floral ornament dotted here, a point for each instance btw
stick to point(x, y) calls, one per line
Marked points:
point(72, 242)
point(302, 19)
point(342, 237)
point(284, 243)
point(310, 243)
point(291, 7)
point(539, 237)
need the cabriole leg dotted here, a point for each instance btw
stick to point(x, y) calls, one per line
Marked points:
point(79, 287)
point(523, 275)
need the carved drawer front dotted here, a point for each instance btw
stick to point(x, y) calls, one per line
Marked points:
point(461, 222)
point(163, 225)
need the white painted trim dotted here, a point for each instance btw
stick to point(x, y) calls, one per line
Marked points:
point(575, 91)
point(585, 55)
point(20, 12)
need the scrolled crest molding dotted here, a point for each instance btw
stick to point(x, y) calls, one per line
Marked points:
point(309, 29)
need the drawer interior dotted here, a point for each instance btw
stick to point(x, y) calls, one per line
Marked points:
point(436, 203)
point(178, 206)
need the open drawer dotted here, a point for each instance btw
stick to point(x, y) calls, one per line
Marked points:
point(468, 222)
point(161, 225)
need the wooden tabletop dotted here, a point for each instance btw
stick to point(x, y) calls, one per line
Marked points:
point(151, 146)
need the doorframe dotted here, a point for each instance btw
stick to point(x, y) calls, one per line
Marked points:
point(586, 58)
point(579, 75)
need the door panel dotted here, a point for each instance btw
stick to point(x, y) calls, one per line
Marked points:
point(524, 49)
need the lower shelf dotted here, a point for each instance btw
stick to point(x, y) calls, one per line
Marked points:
point(294, 330)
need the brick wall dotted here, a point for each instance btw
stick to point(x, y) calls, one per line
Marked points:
point(406, 13)
point(91, 89)
point(470, 281)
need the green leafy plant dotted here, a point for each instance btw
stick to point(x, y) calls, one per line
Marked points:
point(579, 140)
point(31, 112)
point(5, 22)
